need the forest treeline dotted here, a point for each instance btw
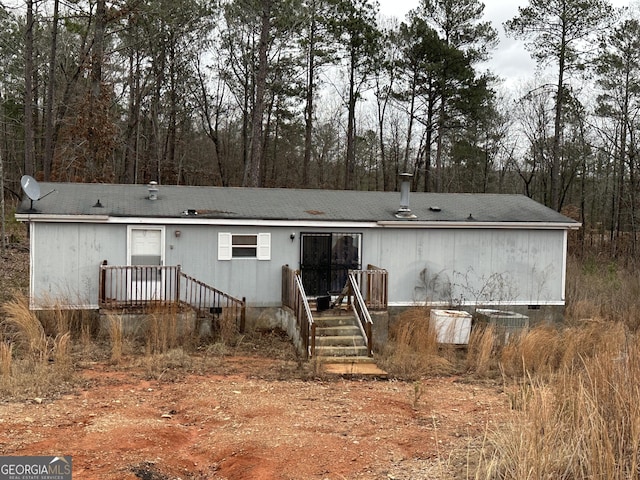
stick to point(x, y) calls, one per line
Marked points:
point(327, 94)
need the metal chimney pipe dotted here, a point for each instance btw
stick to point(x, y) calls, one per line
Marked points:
point(153, 190)
point(405, 188)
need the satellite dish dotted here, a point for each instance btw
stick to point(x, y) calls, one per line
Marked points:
point(30, 187)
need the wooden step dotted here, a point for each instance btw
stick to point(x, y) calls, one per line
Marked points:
point(334, 321)
point(341, 351)
point(362, 368)
point(340, 341)
point(360, 359)
point(337, 331)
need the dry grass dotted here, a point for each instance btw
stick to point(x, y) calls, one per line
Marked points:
point(61, 355)
point(545, 350)
point(534, 353)
point(228, 330)
point(116, 337)
point(481, 356)
point(575, 387)
point(85, 336)
point(602, 291)
point(583, 423)
point(161, 365)
point(38, 358)
point(21, 326)
point(413, 351)
point(6, 359)
point(32, 363)
point(162, 332)
point(57, 320)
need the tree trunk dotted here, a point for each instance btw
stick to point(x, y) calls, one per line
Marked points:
point(257, 150)
point(382, 109)
point(350, 163)
point(97, 58)
point(3, 242)
point(49, 130)
point(171, 136)
point(438, 175)
point(557, 127)
point(428, 142)
point(29, 162)
point(412, 103)
point(131, 153)
point(309, 107)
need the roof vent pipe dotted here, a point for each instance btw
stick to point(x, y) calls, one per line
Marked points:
point(405, 188)
point(153, 190)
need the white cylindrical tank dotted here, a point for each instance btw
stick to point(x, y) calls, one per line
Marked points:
point(451, 326)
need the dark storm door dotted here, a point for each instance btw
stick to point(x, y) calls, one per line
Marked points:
point(316, 263)
point(325, 260)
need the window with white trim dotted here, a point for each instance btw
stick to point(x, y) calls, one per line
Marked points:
point(234, 245)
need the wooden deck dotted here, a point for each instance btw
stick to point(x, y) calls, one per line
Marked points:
point(144, 288)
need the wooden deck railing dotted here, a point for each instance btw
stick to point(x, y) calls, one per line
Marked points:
point(144, 287)
point(294, 297)
point(137, 285)
point(374, 286)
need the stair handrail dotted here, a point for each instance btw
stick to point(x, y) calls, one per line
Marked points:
point(303, 313)
point(363, 317)
point(294, 297)
point(209, 300)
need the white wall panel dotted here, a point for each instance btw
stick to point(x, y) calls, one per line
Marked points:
point(442, 266)
point(484, 266)
point(66, 260)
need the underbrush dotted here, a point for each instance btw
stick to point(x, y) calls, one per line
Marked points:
point(576, 389)
point(41, 353)
point(573, 387)
point(32, 363)
point(582, 423)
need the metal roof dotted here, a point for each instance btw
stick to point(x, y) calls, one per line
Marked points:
point(80, 199)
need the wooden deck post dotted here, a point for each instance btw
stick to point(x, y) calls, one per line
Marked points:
point(313, 340)
point(178, 270)
point(243, 314)
point(103, 284)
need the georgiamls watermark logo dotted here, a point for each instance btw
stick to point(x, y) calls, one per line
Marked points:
point(35, 468)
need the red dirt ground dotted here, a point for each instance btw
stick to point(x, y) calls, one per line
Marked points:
point(247, 424)
point(249, 417)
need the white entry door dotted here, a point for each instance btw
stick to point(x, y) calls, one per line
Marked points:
point(146, 252)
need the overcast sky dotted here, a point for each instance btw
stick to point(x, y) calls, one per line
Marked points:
point(510, 60)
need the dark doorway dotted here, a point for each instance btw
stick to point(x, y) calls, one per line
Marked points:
point(326, 259)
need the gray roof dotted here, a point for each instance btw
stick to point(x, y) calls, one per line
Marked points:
point(283, 204)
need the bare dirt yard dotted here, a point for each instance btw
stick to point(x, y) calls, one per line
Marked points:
point(251, 413)
point(251, 423)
